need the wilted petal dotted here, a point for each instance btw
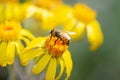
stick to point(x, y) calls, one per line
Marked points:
point(94, 34)
point(50, 74)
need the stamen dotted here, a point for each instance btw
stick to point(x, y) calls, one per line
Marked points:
point(55, 46)
point(8, 29)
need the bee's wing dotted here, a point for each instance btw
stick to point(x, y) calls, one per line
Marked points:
point(71, 33)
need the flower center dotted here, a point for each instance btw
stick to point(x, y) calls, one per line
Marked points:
point(84, 13)
point(9, 31)
point(55, 46)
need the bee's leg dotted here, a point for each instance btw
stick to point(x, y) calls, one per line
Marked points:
point(56, 41)
point(62, 41)
point(68, 42)
point(50, 37)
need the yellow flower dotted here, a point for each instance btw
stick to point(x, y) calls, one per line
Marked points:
point(84, 19)
point(88, 16)
point(51, 50)
point(11, 35)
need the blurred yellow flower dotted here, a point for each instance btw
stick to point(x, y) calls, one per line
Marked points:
point(10, 11)
point(11, 34)
point(88, 16)
point(46, 18)
point(74, 20)
point(3, 1)
point(51, 50)
point(48, 4)
point(16, 11)
point(84, 13)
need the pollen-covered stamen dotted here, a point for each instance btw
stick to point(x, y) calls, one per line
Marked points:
point(9, 28)
point(55, 46)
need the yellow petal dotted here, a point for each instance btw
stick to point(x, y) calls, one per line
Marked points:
point(18, 12)
point(65, 15)
point(41, 64)
point(9, 11)
point(30, 54)
point(25, 40)
point(19, 46)
point(40, 13)
point(10, 53)
point(68, 63)
point(30, 11)
point(23, 61)
point(94, 34)
point(33, 50)
point(51, 71)
point(48, 21)
point(27, 34)
point(3, 46)
point(79, 29)
point(68, 26)
point(75, 28)
point(32, 47)
point(1, 14)
point(37, 42)
point(62, 65)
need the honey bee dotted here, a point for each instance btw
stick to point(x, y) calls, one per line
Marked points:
point(63, 36)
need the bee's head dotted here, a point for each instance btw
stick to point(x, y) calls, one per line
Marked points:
point(55, 32)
